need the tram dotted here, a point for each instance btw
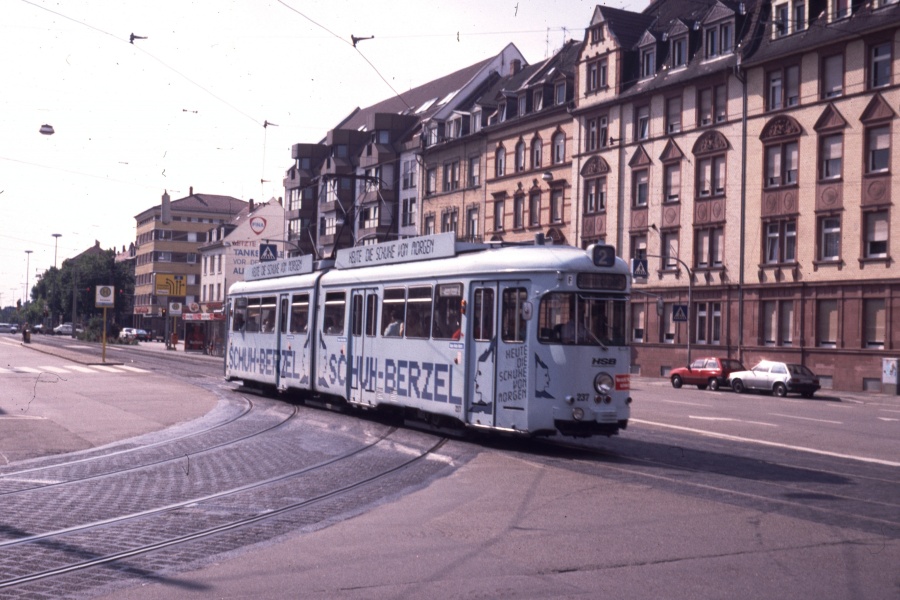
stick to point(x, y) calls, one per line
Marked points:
point(525, 339)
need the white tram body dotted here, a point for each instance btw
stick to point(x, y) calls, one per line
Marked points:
point(527, 339)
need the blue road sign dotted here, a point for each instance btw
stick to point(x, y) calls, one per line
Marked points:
point(639, 268)
point(268, 253)
point(680, 313)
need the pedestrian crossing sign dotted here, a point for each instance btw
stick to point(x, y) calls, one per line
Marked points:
point(268, 253)
point(639, 268)
point(680, 313)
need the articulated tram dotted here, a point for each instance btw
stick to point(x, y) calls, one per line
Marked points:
point(526, 339)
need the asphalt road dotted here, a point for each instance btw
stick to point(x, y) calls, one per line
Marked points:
point(706, 495)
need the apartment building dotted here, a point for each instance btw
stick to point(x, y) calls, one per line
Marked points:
point(167, 263)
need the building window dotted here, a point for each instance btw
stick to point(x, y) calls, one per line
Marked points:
point(876, 241)
point(648, 62)
point(880, 65)
point(537, 151)
point(841, 9)
point(876, 320)
point(679, 52)
point(523, 104)
point(673, 115)
point(560, 92)
point(669, 324)
point(429, 225)
point(640, 187)
point(712, 42)
point(709, 249)
point(534, 209)
point(639, 247)
point(408, 214)
point(537, 100)
point(709, 323)
point(638, 322)
point(672, 182)
point(597, 34)
point(878, 149)
point(475, 171)
point(472, 224)
point(830, 238)
point(559, 147)
point(519, 211)
point(500, 162)
point(596, 75)
point(783, 88)
point(431, 180)
point(642, 123)
point(799, 16)
point(781, 242)
point(670, 249)
point(777, 322)
point(451, 176)
point(520, 156)
point(832, 152)
point(712, 105)
point(498, 215)
point(556, 206)
point(826, 323)
point(594, 195)
point(782, 164)
point(833, 76)
point(781, 15)
point(710, 176)
point(409, 174)
point(449, 221)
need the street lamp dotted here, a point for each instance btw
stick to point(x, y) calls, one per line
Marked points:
point(690, 288)
point(55, 246)
point(27, 267)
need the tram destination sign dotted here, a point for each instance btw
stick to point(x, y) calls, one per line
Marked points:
point(426, 247)
point(297, 265)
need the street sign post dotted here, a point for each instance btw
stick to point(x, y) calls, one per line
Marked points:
point(680, 313)
point(268, 253)
point(639, 268)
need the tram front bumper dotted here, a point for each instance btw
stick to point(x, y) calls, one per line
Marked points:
point(578, 421)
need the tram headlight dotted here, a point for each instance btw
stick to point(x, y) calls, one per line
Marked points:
point(603, 383)
point(578, 414)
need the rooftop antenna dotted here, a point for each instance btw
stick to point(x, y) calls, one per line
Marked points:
point(359, 39)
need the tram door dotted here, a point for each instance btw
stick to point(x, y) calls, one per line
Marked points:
point(363, 325)
point(284, 308)
point(482, 325)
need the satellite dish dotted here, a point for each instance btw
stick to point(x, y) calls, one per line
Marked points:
point(47, 129)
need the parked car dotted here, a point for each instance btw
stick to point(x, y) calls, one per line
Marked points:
point(142, 335)
point(705, 372)
point(9, 328)
point(64, 329)
point(776, 377)
point(39, 328)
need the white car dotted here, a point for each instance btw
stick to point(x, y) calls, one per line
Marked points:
point(128, 333)
point(776, 377)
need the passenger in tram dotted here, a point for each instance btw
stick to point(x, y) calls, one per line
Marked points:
point(411, 328)
point(395, 327)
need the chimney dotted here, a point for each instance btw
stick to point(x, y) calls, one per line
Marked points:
point(252, 205)
point(166, 216)
point(191, 191)
point(514, 66)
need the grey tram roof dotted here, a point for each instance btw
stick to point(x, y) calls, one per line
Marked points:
point(490, 263)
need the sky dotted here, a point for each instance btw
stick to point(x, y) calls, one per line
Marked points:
point(213, 98)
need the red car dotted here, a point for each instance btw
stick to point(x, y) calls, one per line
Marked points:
point(706, 372)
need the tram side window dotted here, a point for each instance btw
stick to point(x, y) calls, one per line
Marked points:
point(513, 323)
point(371, 323)
point(335, 306)
point(254, 311)
point(283, 316)
point(584, 319)
point(418, 312)
point(239, 314)
point(393, 312)
point(447, 311)
point(483, 315)
point(267, 308)
point(299, 313)
point(356, 315)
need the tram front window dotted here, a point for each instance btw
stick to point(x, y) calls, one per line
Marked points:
point(574, 318)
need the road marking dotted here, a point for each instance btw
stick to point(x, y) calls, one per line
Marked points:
point(807, 419)
point(735, 438)
point(887, 419)
point(133, 369)
point(81, 369)
point(685, 403)
point(729, 419)
point(55, 369)
point(13, 417)
point(106, 368)
point(6, 371)
point(27, 370)
point(888, 410)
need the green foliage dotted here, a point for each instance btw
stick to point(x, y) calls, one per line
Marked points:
point(53, 293)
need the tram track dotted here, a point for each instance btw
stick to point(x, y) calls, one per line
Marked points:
point(295, 496)
point(17, 476)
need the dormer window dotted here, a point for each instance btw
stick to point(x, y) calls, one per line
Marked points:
point(523, 104)
point(560, 91)
point(475, 124)
point(597, 34)
point(501, 112)
point(679, 52)
point(782, 20)
point(799, 16)
point(648, 62)
point(537, 101)
point(841, 9)
point(382, 136)
point(719, 40)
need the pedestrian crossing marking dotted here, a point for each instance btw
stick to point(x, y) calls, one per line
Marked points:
point(72, 369)
point(106, 368)
point(81, 369)
point(28, 370)
point(54, 369)
point(133, 369)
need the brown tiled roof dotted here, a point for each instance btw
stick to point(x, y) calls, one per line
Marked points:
point(209, 203)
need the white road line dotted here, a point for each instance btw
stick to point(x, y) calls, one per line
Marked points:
point(133, 369)
point(54, 369)
point(28, 370)
point(735, 438)
point(699, 418)
point(14, 417)
point(807, 419)
point(6, 371)
point(685, 403)
point(887, 419)
point(82, 369)
point(889, 410)
point(106, 368)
